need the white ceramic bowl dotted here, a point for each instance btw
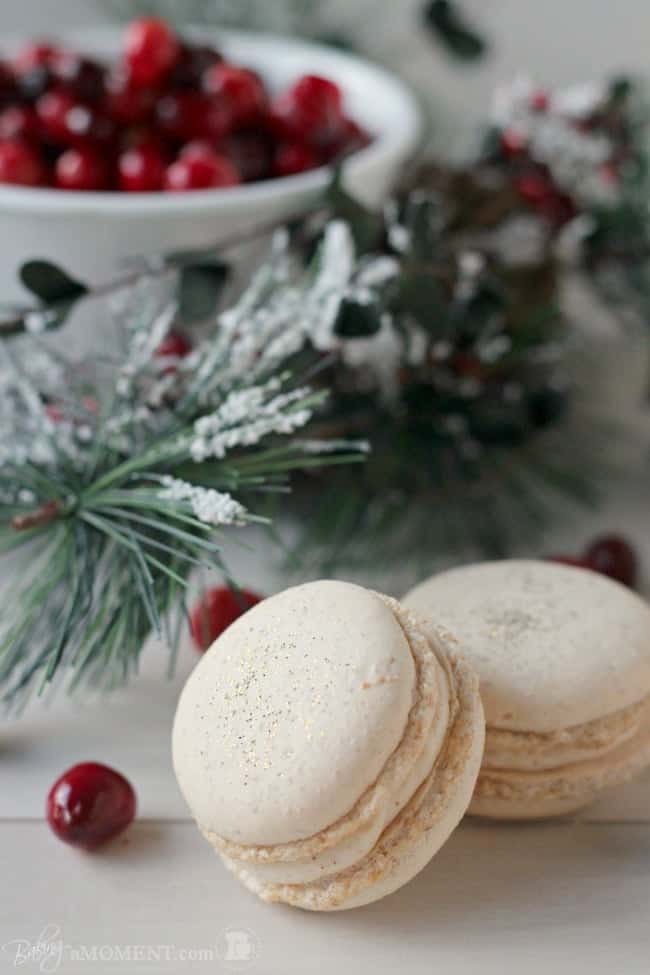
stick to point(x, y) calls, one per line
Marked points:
point(92, 233)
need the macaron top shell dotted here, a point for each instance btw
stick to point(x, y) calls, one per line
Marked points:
point(554, 646)
point(292, 713)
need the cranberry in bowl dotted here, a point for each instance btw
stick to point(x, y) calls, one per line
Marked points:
point(111, 154)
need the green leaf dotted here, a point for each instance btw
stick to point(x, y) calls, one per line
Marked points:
point(201, 285)
point(358, 320)
point(55, 289)
point(51, 284)
point(461, 40)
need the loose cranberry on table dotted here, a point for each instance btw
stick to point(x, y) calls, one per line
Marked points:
point(21, 164)
point(613, 556)
point(610, 555)
point(81, 169)
point(151, 49)
point(89, 805)
point(200, 171)
point(216, 610)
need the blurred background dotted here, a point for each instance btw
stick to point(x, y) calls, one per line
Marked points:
point(557, 42)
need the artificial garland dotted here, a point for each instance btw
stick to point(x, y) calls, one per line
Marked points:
point(115, 475)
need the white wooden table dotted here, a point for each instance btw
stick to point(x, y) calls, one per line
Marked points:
point(570, 896)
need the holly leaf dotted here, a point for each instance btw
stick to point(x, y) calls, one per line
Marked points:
point(50, 283)
point(201, 285)
point(461, 40)
point(57, 291)
point(357, 319)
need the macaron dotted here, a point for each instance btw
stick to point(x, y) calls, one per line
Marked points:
point(563, 657)
point(327, 745)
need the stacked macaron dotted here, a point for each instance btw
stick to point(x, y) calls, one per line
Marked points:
point(563, 656)
point(327, 745)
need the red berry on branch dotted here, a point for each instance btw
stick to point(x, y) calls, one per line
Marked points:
point(151, 49)
point(216, 610)
point(174, 346)
point(539, 100)
point(294, 157)
point(241, 88)
point(200, 172)
point(83, 168)
point(90, 804)
point(21, 164)
point(141, 169)
point(613, 556)
point(513, 143)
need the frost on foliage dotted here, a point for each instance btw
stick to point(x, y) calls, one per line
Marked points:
point(210, 506)
point(554, 138)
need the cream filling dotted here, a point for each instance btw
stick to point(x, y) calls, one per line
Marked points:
point(536, 751)
point(568, 785)
point(356, 847)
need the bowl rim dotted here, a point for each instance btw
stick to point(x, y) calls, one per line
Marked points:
point(399, 140)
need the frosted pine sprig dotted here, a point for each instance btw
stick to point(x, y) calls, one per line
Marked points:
point(210, 507)
point(121, 472)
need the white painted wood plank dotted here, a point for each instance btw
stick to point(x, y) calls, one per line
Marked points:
point(564, 898)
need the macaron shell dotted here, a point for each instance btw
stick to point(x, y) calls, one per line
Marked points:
point(418, 832)
point(292, 714)
point(554, 646)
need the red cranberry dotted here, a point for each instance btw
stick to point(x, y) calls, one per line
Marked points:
point(83, 168)
point(52, 109)
point(294, 157)
point(351, 139)
point(217, 609)
point(83, 77)
point(310, 111)
point(126, 102)
point(39, 54)
point(200, 172)
point(613, 556)
point(141, 169)
point(19, 122)
point(513, 143)
point(250, 152)
point(173, 347)
point(240, 88)
point(187, 115)
point(21, 164)
point(539, 100)
point(193, 62)
point(569, 560)
point(7, 84)
point(89, 805)
point(533, 187)
point(151, 49)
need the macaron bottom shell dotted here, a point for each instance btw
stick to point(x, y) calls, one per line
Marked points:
point(413, 837)
point(516, 794)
